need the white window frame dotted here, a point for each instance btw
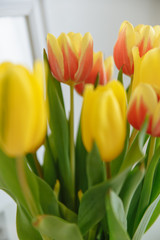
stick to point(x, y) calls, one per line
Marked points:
point(32, 11)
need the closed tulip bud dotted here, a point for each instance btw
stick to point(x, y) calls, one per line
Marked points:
point(103, 119)
point(70, 57)
point(22, 109)
point(101, 67)
point(144, 103)
point(147, 69)
point(144, 37)
point(127, 39)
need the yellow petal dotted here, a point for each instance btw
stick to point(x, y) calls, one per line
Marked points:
point(86, 117)
point(108, 126)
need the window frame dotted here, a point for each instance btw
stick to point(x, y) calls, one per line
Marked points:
point(32, 11)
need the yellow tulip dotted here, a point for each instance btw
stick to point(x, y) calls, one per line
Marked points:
point(22, 109)
point(147, 69)
point(104, 119)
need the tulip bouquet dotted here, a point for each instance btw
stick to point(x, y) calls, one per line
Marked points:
point(106, 184)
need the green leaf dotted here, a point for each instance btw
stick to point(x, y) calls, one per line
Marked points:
point(116, 217)
point(120, 75)
point(92, 206)
point(47, 198)
point(147, 188)
point(154, 194)
point(116, 163)
point(95, 167)
point(60, 132)
point(31, 162)
point(25, 229)
point(10, 181)
point(145, 219)
point(131, 184)
point(133, 209)
point(96, 81)
point(135, 152)
point(81, 172)
point(67, 214)
point(49, 168)
point(56, 228)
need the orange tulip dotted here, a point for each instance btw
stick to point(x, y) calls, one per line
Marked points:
point(103, 67)
point(144, 37)
point(70, 57)
point(144, 102)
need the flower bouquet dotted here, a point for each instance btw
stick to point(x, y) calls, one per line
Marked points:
point(106, 184)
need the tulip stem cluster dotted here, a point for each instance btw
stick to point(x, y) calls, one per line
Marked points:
point(71, 121)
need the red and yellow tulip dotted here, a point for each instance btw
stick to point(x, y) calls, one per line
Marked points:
point(144, 37)
point(23, 118)
point(70, 57)
point(103, 67)
point(104, 119)
point(144, 103)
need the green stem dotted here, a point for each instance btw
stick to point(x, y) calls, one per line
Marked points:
point(20, 161)
point(151, 150)
point(132, 137)
point(108, 170)
point(38, 166)
point(72, 153)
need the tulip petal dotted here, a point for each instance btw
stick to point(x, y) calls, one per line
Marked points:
point(85, 119)
point(142, 103)
point(107, 125)
point(120, 94)
point(147, 39)
point(76, 40)
point(69, 57)
point(108, 65)
point(156, 122)
point(55, 57)
point(86, 59)
point(17, 113)
point(123, 48)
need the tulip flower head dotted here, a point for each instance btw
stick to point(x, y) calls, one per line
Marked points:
point(143, 103)
point(147, 69)
point(144, 37)
point(104, 119)
point(102, 67)
point(22, 109)
point(70, 57)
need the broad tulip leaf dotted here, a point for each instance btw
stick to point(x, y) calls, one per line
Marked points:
point(59, 128)
point(95, 167)
point(116, 163)
point(116, 217)
point(145, 219)
point(133, 209)
point(47, 198)
point(154, 194)
point(56, 228)
point(49, 168)
point(132, 182)
point(147, 187)
point(25, 229)
point(9, 178)
point(67, 214)
point(81, 154)
point(92, 206)
point(135, 152)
